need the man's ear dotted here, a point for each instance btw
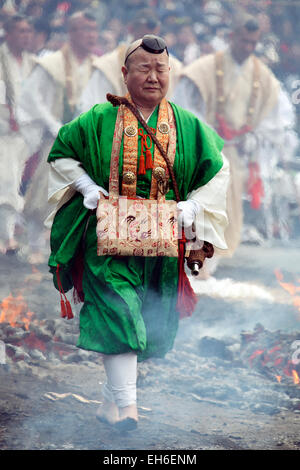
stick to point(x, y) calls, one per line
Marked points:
point(125, 73)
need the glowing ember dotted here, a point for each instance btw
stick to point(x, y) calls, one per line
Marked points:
point(295, 377)
point(14, 311)
point(288, 286)
point(275, 363)
point(291, 372)
point(291, 288)
point(255, 354)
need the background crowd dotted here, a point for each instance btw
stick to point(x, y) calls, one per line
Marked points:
point(192, 28)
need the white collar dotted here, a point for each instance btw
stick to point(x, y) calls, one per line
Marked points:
point(146, 120)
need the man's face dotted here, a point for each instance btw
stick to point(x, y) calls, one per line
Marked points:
point(84, 35)
point(146, 76)
point(20, 36)
point(243, 44)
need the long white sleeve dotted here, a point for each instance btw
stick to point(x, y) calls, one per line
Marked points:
point(211, 221)
point(63, 173)
point(66, 176)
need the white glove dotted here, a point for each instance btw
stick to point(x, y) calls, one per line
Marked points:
point(187, 212)
point(90, 191)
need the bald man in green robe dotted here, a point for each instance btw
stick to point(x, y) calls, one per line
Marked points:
point(129, 311)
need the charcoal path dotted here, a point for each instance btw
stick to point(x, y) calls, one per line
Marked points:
point(203, 396)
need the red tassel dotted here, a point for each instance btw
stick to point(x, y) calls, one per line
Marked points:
point(63, 309)
point(255, 185)
point(13, 125)
point(69, 310)
point(12, 121)
point(65, 306)
point(225, 131)
point(142, 169)
point(149, 161)
point(186, 297)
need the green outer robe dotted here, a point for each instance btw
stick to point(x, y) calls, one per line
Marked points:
point(129, 303)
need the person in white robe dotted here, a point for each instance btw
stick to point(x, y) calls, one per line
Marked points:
point(15, 65)
point(107, 76)
point(49, 100)
point(239, 96)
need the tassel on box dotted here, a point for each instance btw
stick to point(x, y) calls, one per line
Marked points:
point(186, 297)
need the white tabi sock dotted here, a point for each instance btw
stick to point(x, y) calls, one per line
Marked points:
point(121, 373)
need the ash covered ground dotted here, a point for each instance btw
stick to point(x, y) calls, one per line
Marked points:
point(230, 383)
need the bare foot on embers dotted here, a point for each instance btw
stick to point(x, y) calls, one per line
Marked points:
point(108, 413)
point(128, 418)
